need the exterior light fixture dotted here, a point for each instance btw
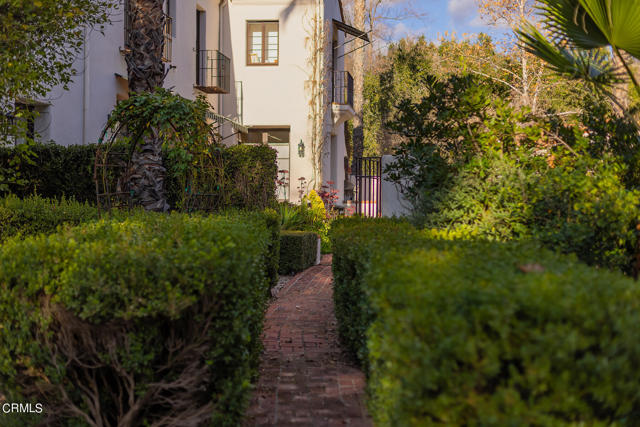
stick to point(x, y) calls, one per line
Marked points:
point(301, 149)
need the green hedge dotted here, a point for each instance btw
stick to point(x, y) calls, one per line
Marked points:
point(250, 174)
point(355, 241)
point(271, 220)
point(55, 172)
point(298, 251)
point(486, 333)
point(154, 316)
point(34, 215)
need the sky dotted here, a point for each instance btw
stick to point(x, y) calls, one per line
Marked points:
point(460, 16)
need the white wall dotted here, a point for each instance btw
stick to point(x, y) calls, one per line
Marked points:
point(393, 202)
point(78, 116)
point(276, 95)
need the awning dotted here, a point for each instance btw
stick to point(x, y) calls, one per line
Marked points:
point(220, 119)
point(359, 34)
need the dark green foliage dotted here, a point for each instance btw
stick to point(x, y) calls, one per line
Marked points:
point(55, 171)
point(473, 165)
point(298, 251)
point(252, 172)
point(136, 311)
point(488, 333)
point(271, 220)
point(246, 179)
point(583, 207)
point(355, 241)
point(249, 175)
point(34, 215)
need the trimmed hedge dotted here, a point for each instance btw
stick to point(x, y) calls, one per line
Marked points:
point(271, 220)
point(155, 316)
point(298, 251)
point(55, 172)
point(250, 175)
point(34, 215)
point(486, 333)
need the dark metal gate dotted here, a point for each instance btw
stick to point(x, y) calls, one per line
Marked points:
point(368, 175)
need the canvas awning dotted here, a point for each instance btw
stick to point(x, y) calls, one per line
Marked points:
point(348, 29)
point(220, 119)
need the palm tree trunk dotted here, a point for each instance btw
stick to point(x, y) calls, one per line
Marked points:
point(146, 72)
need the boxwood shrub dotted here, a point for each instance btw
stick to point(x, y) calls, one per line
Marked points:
point(355, 242)
point(298, 251)
point(156, 318)
point(271, 220)
point(56, 171)
point(487, 333)
point(34, 215)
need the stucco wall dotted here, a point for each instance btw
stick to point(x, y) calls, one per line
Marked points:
point(393, 202)
point(77, 116)
point(277, 95)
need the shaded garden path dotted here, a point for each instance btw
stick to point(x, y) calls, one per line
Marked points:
point(305, 377)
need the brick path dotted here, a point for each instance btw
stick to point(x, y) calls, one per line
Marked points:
point(305, 378)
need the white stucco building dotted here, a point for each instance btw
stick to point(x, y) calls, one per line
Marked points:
point(250, 58)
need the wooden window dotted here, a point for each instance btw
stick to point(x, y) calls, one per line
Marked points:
point(263, 43)
point(267, 135)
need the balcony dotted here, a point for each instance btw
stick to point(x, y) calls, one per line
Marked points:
point(342, 99)
point(213, 72)
point(343, 88)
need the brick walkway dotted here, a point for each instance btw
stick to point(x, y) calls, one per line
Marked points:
point(305, 378)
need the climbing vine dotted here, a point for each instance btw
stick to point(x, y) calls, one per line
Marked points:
point(190, 144)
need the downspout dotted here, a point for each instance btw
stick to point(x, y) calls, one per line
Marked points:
point(220, 6)
point(85, 87)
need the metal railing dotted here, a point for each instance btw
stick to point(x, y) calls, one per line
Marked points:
point(368, 177)
point(213, 72)
point(343, 88)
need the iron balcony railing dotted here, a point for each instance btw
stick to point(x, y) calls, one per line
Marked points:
point(213, 72)
point(343, 88)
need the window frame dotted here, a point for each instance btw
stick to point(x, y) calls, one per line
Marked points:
point(265, 41)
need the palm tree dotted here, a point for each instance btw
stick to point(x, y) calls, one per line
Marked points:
point(145, 44)
point(591, 40)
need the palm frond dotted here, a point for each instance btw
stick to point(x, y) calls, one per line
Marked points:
point(593, 66)
point(568, 22)
point(619, 21)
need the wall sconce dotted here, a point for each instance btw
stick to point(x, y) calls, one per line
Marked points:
point(301, 149)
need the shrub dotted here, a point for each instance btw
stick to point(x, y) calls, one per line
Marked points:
point(583, 208)
point(249, 175)
point(355, 242)
point(55, 172)
point(157, 317)
point(251, 172)
point(271, 220)
point(34, 215)
point(298, 251)
point(488, 333)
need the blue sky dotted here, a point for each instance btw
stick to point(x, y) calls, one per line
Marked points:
point(460, 16)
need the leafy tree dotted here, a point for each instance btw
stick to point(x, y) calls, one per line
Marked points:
point(582, 37)
point(39, 41)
